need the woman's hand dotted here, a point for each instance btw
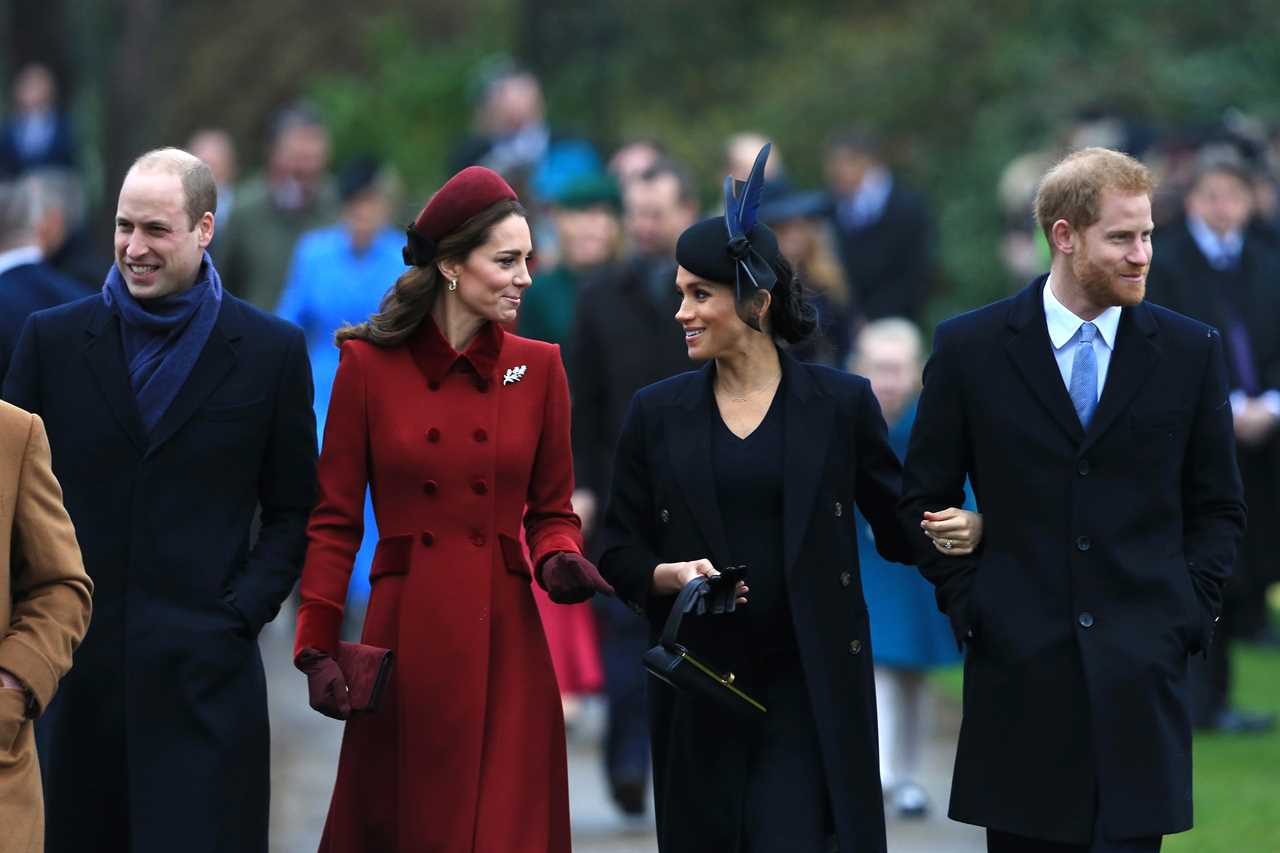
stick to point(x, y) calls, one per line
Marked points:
point(955, 532)
point(325, 683)
point(571, 578)
point(670, 578)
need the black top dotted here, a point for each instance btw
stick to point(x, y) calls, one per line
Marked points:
point(748, 475)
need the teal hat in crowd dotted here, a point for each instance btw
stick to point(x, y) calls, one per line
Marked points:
point(587, 191)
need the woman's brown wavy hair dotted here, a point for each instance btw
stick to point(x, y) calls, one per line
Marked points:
point(411, 298)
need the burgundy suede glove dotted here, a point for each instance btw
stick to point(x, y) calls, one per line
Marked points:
point(570, 578)
point(325, 682)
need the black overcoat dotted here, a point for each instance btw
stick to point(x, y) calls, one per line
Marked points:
point(164, 713)
point(1182, 279)
point(663, 508)
point(1101, 569)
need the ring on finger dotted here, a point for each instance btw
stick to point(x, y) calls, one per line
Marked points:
point(947, 544)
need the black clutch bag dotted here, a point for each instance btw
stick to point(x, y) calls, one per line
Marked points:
point(676, 665)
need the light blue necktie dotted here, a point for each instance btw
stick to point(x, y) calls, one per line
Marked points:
point(1084, 375)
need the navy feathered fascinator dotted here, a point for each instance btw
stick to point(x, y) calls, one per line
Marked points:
point(735, 248)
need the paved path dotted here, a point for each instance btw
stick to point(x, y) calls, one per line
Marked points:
point(305, 756)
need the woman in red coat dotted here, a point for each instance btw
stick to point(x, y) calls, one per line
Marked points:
point(462, 432)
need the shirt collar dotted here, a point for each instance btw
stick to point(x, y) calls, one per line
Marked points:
point(18, 257)
point(868, 202)
point(1220, 250)
point(436, 359)
point(1063, 325)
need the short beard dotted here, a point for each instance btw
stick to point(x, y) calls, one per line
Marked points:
point(1099, 286)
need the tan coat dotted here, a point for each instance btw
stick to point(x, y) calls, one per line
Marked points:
point(44, 611)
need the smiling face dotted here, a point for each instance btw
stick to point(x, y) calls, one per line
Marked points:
point(493, 277)
point(708, 317)
point(1108, 261)
point(158, 249)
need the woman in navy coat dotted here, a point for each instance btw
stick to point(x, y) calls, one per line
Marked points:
point(758, 459)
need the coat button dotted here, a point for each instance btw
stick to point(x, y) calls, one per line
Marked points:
point(477, 538)
point(845, 579)
point(428, 539)
point(433, 385)
point(1083, 543)
point(479, 487)
point(1082, 467)
point(665, 515)
point(855, 647)
point(480, 436)
point(1086, 619)
point(839, 509)
point(433, 435)
point(430, 487)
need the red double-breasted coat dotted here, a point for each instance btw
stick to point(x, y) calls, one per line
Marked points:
point(467, 752)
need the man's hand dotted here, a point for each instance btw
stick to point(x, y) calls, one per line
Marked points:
point(1254, 422)
point(670, 578)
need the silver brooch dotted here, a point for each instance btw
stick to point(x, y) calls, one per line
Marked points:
point(514, 374)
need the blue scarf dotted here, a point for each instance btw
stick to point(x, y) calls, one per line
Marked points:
point(163, 337)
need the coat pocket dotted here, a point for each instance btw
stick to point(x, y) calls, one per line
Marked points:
point(513, 557)
point(392, 557)
point(13, 711)
point(386, 581)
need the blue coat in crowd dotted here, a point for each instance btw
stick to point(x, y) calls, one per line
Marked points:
point(907, 631)
point(329, 285)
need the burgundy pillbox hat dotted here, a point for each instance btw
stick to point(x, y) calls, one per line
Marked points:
point(466, 194)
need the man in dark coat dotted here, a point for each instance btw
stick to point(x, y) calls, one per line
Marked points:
point(1212, 267)
point(1097, 433)
point(626, 337)
point(884, 232)
point(38, 133)
point(27, 283)
point(174, 411)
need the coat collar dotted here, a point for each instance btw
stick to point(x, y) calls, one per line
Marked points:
point(104, 353)
point(1031, 351)
point(435, 358)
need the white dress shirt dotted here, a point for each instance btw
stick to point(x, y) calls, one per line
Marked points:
point(865, 207)
point(1220, 250)
point(1064, 334)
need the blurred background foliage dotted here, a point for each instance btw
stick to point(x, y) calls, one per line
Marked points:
point(957, 90)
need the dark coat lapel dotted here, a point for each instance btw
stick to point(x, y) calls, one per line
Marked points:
point(104, 354)
point(808, 418)
point(1135, 355)
point(688, 433)
point(215, 362)
point(1031, 352)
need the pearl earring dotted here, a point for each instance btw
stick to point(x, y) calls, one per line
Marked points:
point(453, 284)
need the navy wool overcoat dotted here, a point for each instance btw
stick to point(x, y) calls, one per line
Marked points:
point(160, 729)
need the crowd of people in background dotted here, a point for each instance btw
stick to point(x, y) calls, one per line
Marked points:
point(318, 242)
